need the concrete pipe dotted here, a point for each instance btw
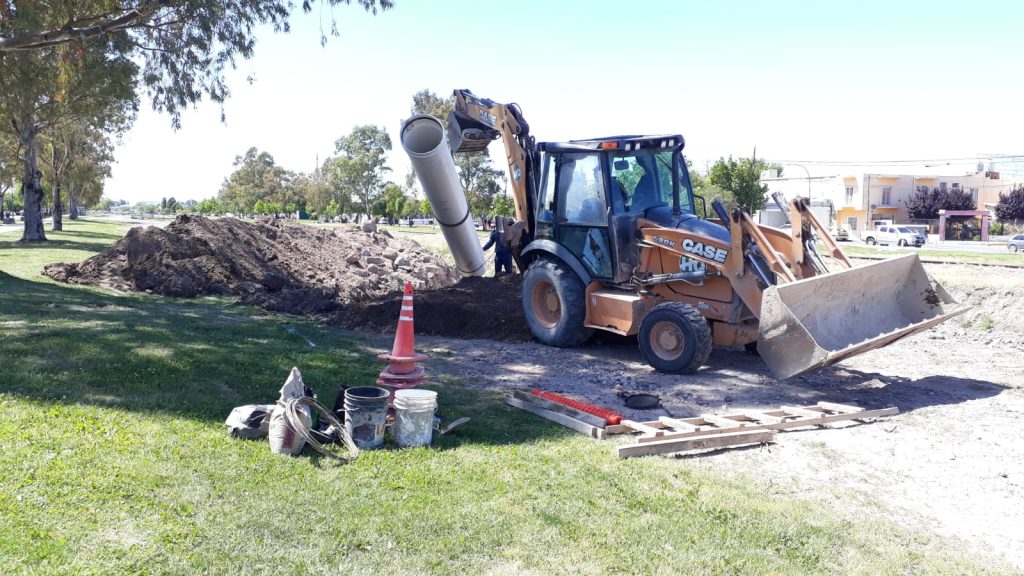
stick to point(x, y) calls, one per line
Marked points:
point(423, 140)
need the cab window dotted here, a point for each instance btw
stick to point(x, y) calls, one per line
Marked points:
point(546, 200)
point(643, 179)
point(581, 190)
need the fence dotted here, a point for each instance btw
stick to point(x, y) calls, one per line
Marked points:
point(1007, 228)
point(931, 223)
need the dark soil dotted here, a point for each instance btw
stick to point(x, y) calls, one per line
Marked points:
point(346, 276)
point(488, 308)
point(279, 265)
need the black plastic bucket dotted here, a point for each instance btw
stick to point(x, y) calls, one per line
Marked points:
point(366, 409)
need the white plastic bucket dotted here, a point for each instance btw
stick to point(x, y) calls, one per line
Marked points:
point(414, 417)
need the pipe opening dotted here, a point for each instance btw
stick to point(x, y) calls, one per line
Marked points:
point(422, 135)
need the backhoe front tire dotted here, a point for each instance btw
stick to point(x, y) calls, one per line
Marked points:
point(554, 304)
point(675, 338)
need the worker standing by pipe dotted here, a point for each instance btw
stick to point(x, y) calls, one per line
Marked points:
point(502, 253)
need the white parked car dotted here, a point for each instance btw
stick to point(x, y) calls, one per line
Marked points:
point(898, 235)
point(840, 234)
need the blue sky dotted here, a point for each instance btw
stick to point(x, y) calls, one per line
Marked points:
point(799, 80)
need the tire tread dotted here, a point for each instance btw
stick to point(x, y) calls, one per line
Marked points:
point(700, 327)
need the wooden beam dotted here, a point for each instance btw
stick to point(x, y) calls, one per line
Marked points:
point(722, 421)
point(679, 425)
point(840, 407)
point(797, 411)
point(568, 422)
point(560, 408)
point(639, 427)
point(767, 420)
point(759, 417)
point(781, 425)
point(700, 443)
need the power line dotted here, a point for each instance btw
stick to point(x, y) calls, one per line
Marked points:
point(995, 157)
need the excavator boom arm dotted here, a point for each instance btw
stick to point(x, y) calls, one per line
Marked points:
point(476, 122)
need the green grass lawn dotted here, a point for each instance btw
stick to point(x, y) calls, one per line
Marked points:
point(114, 460)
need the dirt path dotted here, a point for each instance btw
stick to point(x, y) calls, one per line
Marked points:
point(952, 462)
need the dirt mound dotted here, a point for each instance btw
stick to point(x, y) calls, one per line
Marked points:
point(488, 308)
point(279, 265)
point(996, 316)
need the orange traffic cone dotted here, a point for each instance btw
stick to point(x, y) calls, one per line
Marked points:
point(402, 370)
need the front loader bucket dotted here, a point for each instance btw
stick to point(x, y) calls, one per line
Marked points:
point(819, 321)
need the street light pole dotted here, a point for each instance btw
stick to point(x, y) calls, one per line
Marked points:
point(808, 172)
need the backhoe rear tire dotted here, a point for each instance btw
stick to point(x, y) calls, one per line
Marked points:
point(554, 304)
point(675, 338)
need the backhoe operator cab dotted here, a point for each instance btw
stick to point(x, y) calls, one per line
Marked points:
point(585, 262)
point(592, 193)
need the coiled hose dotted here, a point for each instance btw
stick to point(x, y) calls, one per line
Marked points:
point(294, 420)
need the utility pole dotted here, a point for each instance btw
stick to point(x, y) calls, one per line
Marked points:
point(808, 172)
point(755, 178)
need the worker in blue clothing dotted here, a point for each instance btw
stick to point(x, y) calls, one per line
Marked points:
point(502, 253)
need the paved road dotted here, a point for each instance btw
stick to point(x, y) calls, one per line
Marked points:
point(949, 245)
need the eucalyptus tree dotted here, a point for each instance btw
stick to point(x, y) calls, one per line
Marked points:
point(184, 48)
point(89, 167)
point(358, 169)
point(8, 169)
point(257, 178)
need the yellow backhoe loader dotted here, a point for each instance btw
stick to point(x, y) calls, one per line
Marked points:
point(610, 236)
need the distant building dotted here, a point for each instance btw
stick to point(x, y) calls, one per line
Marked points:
point(190, 203)
point(860, 200)
point(817, 188)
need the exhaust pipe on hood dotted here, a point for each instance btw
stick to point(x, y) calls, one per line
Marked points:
point(423, 140)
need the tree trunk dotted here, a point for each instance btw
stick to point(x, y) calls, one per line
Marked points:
point(72, 202)
point(58, 208)
point(31, 191)
point(3, 214)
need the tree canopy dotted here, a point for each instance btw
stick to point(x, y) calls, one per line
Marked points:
point(80, 57)
point(740, 180)
point(357, 171)
point(925, 203)
point(1011, 205)
point(184, 45)
point(257, 178)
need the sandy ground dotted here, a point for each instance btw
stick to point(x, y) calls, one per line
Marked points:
point(951, 462)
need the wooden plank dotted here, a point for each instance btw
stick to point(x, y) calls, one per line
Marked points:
point(679, 425)
point(618, 429)
point(760, 417)
point(722, 421)
point(640, 427)
point(781, 425)
point(797, 411)
point(699, 443)
point(568, 422)
point(560, 408)
point(772, 420)
point(840, 407)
